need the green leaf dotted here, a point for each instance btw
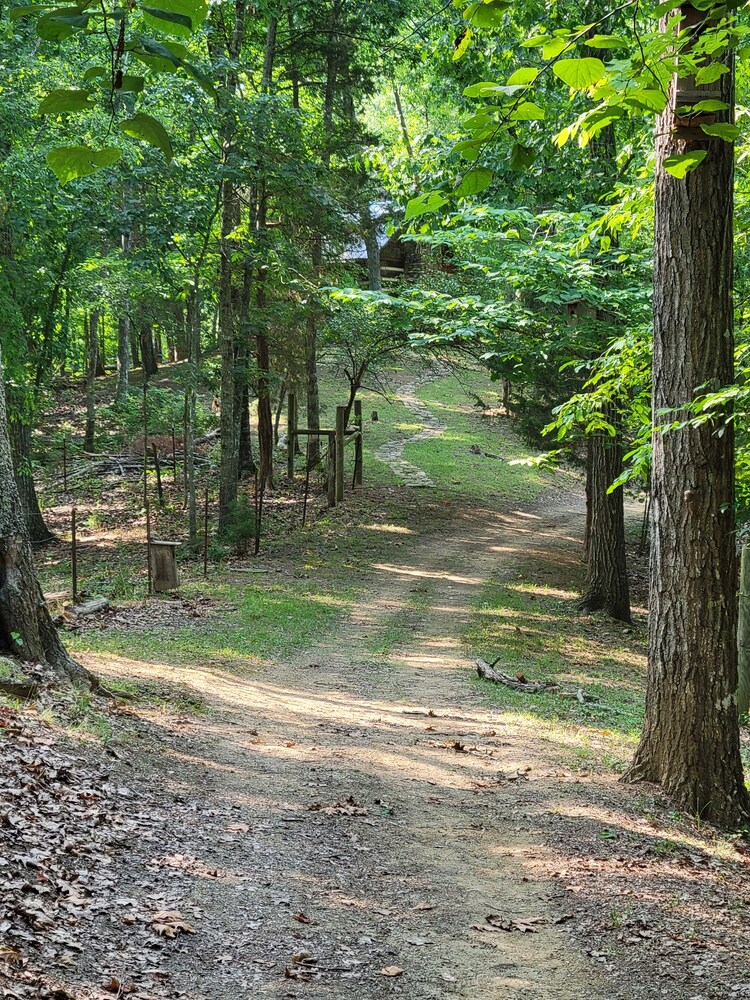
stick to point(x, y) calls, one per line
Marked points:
point(34, 8)
point(61, 23)
point(200, 78)
point(711, 73)
point(554, 47)
point(722, 130)
point(489, 13)
point(65, 101)
point(131, 84)
point(521, 156)
point(477, 121)
point(474, 181)
point(523, 76)
point(93, 71)
point(424, 204)
point(156, 55)
point(607, 42)
point(529, 112)
point(148, 129)
point(167, 20)
point(683, 163)
point(71, 162)
point(469, 149)
point(708, 106)
point(464, 41)
point(579, 74)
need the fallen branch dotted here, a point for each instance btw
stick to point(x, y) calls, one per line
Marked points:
point(517, 682)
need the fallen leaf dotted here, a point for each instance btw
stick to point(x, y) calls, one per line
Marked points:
point(301, 918)
point(170, 923)
point(239, 828)
point(391, 971)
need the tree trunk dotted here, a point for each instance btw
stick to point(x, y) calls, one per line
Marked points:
point(607, 576)
point(191, 395)
point(370, 227)
point(148, 355)
point(690, 740)
point(20, 442)
point(26, 629)
point(123, 337)
point(230, 217)
point(92, 348)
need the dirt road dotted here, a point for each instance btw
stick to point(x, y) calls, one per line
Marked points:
point(361, 811)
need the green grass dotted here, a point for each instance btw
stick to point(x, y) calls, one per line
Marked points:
point(448, 459)
point(265, 621)
point(538, 631)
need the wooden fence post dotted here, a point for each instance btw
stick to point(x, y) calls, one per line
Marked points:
point(74, 553)
point(331, 471)
point(291, 434)
point(339, 442)
point(358, 443)
point(743, 635)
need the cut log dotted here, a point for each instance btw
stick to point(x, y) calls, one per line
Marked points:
point(89, 608)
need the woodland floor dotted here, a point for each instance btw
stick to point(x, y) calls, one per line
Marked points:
point(361, 816)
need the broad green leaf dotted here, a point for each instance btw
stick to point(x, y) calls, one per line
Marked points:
point(71, 162)
point(554, 47)
point(94, 71)
point(529, 112)
point(646, 100)
point(709, 106)
point(523, 76)
point(61, 23)
point(579, 74)
point(463, 45)
point(424, 204)
point(200, 78)
point(680, 165)
point(148, 129)
point(169, 21)
point(480, 89)
point(521, 156)
point(33, 8)
point(474, 181)
point(711, 73)
point(65, 101)
point(469, 149)
point(607, 42)
point(477, 121)
point(157, 55)
point(722, 130)
point(490, 13)
point(131, 84)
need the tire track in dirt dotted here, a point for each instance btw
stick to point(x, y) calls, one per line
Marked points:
point(392, 452)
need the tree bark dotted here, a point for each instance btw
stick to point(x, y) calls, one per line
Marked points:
point(690, 740)
point(607, 576)
point(92, 349)
point(123, 337)
point(20, 442)
point(26, 629)
point(148, 355)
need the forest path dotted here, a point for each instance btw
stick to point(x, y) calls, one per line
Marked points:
point(392, 452)
point(269, 856)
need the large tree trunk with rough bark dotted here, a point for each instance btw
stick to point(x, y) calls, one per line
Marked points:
point(148, 354)
point(607, 574)
point(690, 740)
point(20, 440)
point(26, 629)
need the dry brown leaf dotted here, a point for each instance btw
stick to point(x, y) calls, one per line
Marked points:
point(302, 918)
point(170, 923)
point(391, 971)
point(239, 828)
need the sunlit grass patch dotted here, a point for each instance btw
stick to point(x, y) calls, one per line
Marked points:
point(540, 634)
